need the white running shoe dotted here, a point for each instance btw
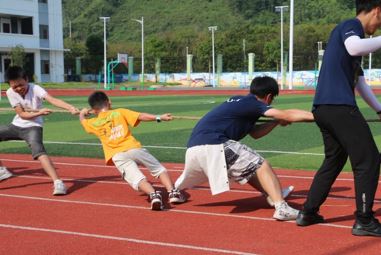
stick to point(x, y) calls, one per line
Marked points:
point(285, 212)
point(285, 193)
point(59, 188)
point(4, 173)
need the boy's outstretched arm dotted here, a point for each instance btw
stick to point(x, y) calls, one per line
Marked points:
point(263, 129)
point(281, 117)
point(291, 115)
point(83, 113)
point(61, 104)
point(150, 117)
point(28, 115)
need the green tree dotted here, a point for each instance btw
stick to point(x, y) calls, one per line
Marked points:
point(18, 55)
point(94, 56)
point(75, 49)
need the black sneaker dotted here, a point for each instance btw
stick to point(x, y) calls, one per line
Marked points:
point(305, 219)
point(371, 229)
point(175, 197)
point(156, 201)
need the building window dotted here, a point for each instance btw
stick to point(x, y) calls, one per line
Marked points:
point(14, 25)
point(45, 67)
point(43, 1)
point(27, 26)
point(5, 25)
point(44, 32)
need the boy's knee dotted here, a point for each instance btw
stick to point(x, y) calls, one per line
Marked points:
point(157, 172)
point(38, 150)
point(135, 183)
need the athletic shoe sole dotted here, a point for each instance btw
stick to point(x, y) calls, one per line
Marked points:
point(177, 200)
point(156, 206)
point(359, 232)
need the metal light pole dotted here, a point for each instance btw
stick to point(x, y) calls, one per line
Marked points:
point(142, 23)
point(213, 28)
point(281, 9)
point(104, 52)
point(291, 55)
point(69, 28)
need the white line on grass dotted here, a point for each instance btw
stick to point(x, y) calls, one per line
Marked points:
point(74, 164)
point(126, 239)
point(177, 148)
point(146, 208)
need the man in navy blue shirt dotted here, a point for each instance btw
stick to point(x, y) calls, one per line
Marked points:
point(344, 129)
point(215, 154)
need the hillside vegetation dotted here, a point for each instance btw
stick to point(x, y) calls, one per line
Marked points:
point(173, 26)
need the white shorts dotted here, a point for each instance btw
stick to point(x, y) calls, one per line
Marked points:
point(127, 163)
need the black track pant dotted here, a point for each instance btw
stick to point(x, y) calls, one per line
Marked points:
point(345, 133)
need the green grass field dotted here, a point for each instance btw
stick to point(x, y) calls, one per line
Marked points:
point(298, 146)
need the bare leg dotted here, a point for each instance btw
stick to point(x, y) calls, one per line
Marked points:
point(146, 187)
point(166, 181)
point(268, 182)
point(254, 182)
point(48, 167)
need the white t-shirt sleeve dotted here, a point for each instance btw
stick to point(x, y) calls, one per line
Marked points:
point(39, 91)
point(13, 98)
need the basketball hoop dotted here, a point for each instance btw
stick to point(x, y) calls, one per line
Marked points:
point(123, 59)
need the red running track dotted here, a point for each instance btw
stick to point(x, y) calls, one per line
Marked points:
point(103, 215)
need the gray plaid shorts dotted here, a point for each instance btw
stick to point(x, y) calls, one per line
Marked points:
point(241, 161)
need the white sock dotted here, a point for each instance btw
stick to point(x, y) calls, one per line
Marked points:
point(278, 204)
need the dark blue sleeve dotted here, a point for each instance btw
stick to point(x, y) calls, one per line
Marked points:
point(350, 28)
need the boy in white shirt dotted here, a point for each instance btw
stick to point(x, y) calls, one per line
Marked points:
point(26, 99)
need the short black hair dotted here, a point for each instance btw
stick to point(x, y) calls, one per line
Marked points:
point(366, 5)
point(264, 85)
point(98, 100)
point(15, 73)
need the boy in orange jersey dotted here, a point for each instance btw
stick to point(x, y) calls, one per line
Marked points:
point(112, 127)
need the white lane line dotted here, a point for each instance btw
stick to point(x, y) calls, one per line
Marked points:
point(125, 239)
point(146, 208)
point(376, 201)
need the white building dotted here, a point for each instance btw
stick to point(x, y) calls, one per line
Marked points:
point(37, 26)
